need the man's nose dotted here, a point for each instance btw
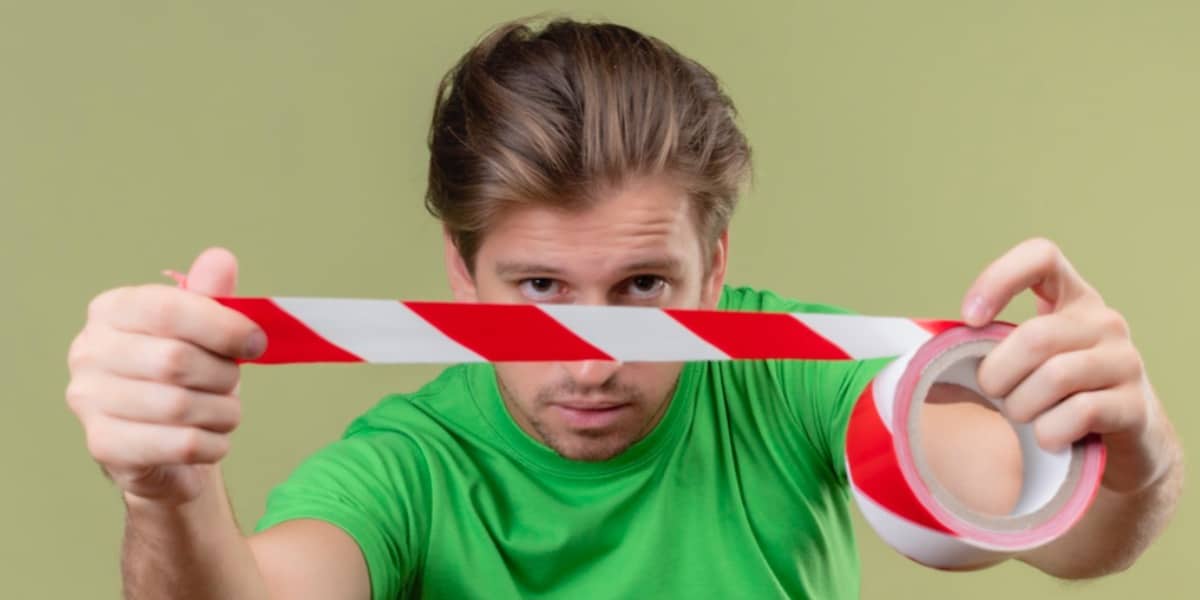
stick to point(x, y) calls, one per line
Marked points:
point(591, 373)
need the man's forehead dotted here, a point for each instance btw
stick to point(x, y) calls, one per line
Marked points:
point(643, 226)
point(647, 202)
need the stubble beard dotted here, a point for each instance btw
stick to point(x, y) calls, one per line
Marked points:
point(599, 445)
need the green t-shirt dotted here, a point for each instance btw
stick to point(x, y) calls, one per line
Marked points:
point(739, 492)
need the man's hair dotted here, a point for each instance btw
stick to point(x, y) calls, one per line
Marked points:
point(562, 115)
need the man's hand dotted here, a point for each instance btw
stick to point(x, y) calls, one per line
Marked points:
point(1073, 369)
point(154, 380)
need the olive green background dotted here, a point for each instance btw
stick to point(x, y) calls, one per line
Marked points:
point(900, 146)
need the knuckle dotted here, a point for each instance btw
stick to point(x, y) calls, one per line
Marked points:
point(1090, 413)
point(79, 354)
point(99, 306)
point(197, 446)
point(1058, 375)
point(173, 363)
point(987, 378)
point(1044, 247)
point(1018, 410)
point(191, 446)
point(1016, 413)
point(1132, 359)
point(76, 395)
point(1045, 436)
point(1115, 323)
point(988, 384)
point(177, 405)
point(98, 444)
point(1047, 253)
point(235, 411)
point(225, 378)
point(1081, 364)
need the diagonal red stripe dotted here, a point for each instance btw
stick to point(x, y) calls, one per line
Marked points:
point(936, 326)
point(758, 335)
point(507, 332)
point(874, 467)
point(288, 339)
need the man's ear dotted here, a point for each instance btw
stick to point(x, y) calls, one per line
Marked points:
point(462, 283)
point(714, 283)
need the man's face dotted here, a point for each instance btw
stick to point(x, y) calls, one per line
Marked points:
point(639, 246)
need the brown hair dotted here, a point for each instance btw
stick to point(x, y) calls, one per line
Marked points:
point(559, 115)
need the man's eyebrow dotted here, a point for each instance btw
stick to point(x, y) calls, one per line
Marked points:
point(517, 268)
point(666, 264)
point(511, 268)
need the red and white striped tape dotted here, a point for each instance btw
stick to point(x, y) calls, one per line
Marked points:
point(891, 483)
point(301, 330)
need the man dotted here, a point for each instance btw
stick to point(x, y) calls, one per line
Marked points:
point(587, 164)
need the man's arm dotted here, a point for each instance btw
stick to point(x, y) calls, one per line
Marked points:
point(195, 551)
point(1120, 525)
point(154, 383)
point(307, 558)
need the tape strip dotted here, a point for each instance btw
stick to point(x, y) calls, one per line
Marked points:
point(301, 330)
point(889, 475)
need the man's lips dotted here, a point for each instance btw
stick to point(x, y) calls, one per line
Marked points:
point(591, 407)
point(590, 416)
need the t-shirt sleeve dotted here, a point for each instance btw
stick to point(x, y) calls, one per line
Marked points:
point(820, 394)
point(371, 485)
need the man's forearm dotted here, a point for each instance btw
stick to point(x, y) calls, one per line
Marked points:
point(1116, 530)
point(191, 552)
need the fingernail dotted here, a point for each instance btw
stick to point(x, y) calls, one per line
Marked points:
point(256, 345)
point(977, 310)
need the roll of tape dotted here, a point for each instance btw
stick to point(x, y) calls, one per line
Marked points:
point(892, 481)
point(899, 494)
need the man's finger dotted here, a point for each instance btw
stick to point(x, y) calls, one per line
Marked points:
point(119, 443)
point(1035, 264)
point(168, 312)
point(1097, 411)
point(1063, 375)
point(1029, 346)
point(163, 360)
point(153, 402)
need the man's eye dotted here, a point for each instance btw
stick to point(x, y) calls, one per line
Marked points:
point(540, 288)
point(645, 286)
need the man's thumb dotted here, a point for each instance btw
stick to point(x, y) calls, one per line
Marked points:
point(213, 273)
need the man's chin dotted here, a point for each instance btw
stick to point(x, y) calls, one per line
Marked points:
point(591, 449)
